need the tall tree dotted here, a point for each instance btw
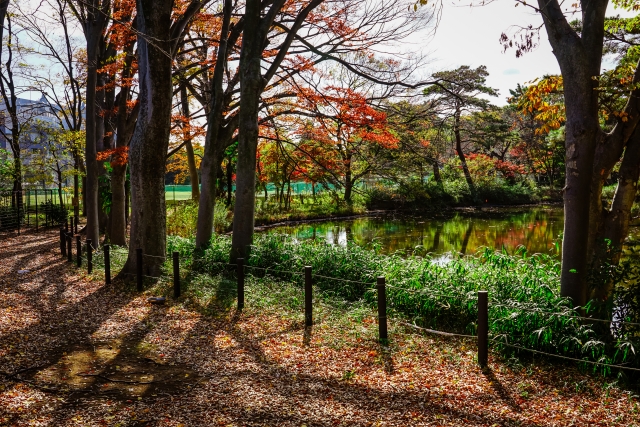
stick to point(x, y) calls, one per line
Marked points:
point(349, 130)
point(459, 93)
point(590, 151)
point(159, 34)
point(20, 114)
point(62, 84)
point(329, 34)
point(4, 5)
point(252, 83)
point(121, 112)
point(593, 146)
point(93, 16)
point(215, 126)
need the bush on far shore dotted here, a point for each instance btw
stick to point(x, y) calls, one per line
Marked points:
point(414, 194)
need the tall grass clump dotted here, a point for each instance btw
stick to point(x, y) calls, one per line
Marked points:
point(526, 308)
point(182, 218)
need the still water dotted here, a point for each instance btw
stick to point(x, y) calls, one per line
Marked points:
point(537, 228)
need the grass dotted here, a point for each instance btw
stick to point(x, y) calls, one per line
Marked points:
point(182, 218)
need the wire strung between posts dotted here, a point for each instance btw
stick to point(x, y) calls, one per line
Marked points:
point(433, 331)
point(155, 256)
point(269, 270)
point(565, 357)
point(215, 262)
point(149, 277)
point(428, 292)
point(568, 316)
point(343, 280)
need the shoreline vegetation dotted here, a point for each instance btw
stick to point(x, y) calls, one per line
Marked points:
point(432, 200)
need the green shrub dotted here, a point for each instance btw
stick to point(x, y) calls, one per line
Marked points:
point(326, 204)
point(450, 193)
point(182, 218)
point(56, 213)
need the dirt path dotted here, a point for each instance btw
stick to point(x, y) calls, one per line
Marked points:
point(75, 352)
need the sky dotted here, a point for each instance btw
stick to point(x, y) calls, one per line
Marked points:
point(470, 36)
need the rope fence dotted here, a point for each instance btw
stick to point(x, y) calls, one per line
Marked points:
point(564, 315)
point(380, 287)
point(429, 293)
point(573, 359)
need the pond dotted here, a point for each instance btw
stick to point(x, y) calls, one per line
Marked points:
point(466, 231)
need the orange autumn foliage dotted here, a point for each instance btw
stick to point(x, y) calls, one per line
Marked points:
point(116, 156)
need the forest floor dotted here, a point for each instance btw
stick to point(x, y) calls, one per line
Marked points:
point(75, 352)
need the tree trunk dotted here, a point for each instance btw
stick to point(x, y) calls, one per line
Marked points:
point(150, 141)
point(229, 182)
point(127, 200)
point(76, 186)
point(125, 124)
point(83, 192)
point(436, 172)
point(90, 190)
point(118, 226)
point(59, 173)
point(103, 217)
point(463, 161)
point(250, 89)
point(348, 187)
point(17, 199)
point(186, 135)
point(579, 57)
point(615, 222)
point(212, 152)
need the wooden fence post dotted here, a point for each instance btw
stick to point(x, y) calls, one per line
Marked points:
point(382, 310)
point(63, 243)
point(240, 267)
point(176, 275)
point(75, 223)
point(89, 256)
point(107, 264)
point(483, 328)
point(308, 297)
point(69, 251)
point(79, 251)
point(36, 210)
point(139, 268)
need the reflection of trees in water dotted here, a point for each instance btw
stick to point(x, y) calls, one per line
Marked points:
point(436, 238)
point(467, 236)
point(536, 229)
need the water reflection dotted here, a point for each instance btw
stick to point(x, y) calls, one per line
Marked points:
point(466, 232)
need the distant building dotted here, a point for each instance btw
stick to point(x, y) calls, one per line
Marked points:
point(39, 114)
